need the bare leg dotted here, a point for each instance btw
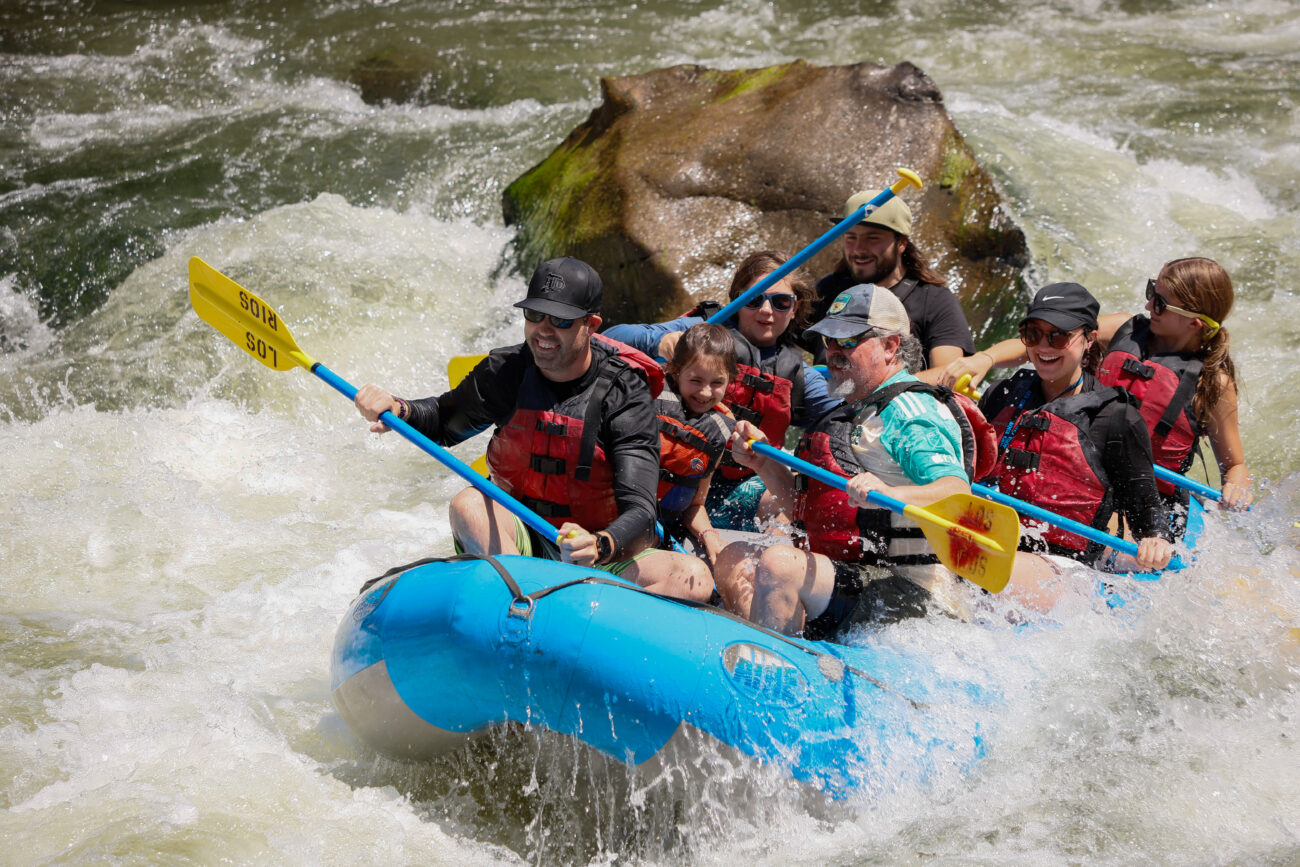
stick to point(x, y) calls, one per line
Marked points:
point(672, 574)
point(790, 587)
point(734, 573)
point(481, 525)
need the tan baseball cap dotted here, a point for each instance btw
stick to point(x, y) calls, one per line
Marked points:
point(893, 215)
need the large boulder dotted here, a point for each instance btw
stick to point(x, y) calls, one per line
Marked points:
point(680, 173)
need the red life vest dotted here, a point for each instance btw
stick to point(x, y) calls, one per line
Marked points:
point(765, 393)
point(1051, 461)
point(1164, 386)
point(546, 454)
point(834, 526)
point(842, 531)
point(688, 452)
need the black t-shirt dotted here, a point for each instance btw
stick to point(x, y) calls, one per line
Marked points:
point(936, 314)
point(1128, 465)
point(628, 433)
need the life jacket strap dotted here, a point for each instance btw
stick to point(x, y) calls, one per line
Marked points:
point(549, 466)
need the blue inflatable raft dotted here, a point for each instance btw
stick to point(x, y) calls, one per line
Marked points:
point(444, 649)
point(436, 652)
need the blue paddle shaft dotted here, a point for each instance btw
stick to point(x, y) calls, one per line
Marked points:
point(726, 313)
point(824, 476)
point(1092, 534)
point(1182, 481)
point(453, 463)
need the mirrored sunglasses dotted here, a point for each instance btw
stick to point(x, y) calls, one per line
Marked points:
point(848, 343)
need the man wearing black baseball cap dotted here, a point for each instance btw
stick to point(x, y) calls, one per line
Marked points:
point(1071, 445)
point(880, 250)
point(576, 439)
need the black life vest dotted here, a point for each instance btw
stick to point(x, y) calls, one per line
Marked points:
point(546, 454)
point(1164, 386)
point(1050, 460)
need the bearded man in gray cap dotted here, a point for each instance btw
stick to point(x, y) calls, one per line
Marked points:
point(576, 439)
point(880, 250)
point(892, 435)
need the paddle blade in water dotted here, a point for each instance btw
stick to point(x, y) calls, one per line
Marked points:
point(975, 538)
point(248, 321)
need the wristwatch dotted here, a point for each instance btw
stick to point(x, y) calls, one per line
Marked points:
point(604, 548)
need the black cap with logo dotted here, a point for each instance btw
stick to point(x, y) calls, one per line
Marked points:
point(566, 287)
point(1065, 305)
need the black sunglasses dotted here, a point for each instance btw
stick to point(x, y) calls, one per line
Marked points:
point(781, 301)
point(556, 322)
point(1030, 335)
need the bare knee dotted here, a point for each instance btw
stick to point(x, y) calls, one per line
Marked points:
point(781, 569)
point(479, 525)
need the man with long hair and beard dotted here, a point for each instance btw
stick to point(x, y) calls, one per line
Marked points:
point(879, 250)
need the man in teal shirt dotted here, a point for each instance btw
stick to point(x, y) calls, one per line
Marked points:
point(889, 437)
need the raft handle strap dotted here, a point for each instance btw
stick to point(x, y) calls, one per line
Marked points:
point(825, 661)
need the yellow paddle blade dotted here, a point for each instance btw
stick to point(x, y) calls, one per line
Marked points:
point(248, 321)
point(975, 538)
point(457, 369)
point(460, 366)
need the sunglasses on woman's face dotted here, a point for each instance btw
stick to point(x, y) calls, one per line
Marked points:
point(1159, 304)
point(1031, 335)
point(556, 322)
point(781, 301)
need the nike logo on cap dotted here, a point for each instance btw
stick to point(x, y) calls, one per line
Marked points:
point(1053, 298)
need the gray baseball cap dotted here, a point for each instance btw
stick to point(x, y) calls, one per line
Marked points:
point(863, 307)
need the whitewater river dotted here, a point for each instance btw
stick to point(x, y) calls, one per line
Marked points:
point(181, 529)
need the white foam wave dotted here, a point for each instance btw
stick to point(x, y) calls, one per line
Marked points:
point(22, 333)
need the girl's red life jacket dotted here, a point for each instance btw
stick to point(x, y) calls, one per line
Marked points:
point(689, 451)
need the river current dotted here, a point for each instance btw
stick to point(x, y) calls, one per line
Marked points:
point(181, 529)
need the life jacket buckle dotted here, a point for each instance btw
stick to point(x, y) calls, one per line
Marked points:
point(1137, 368)
point(1021, 459)
point(547, 466)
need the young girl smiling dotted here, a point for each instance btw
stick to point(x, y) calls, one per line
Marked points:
point(694, 430)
